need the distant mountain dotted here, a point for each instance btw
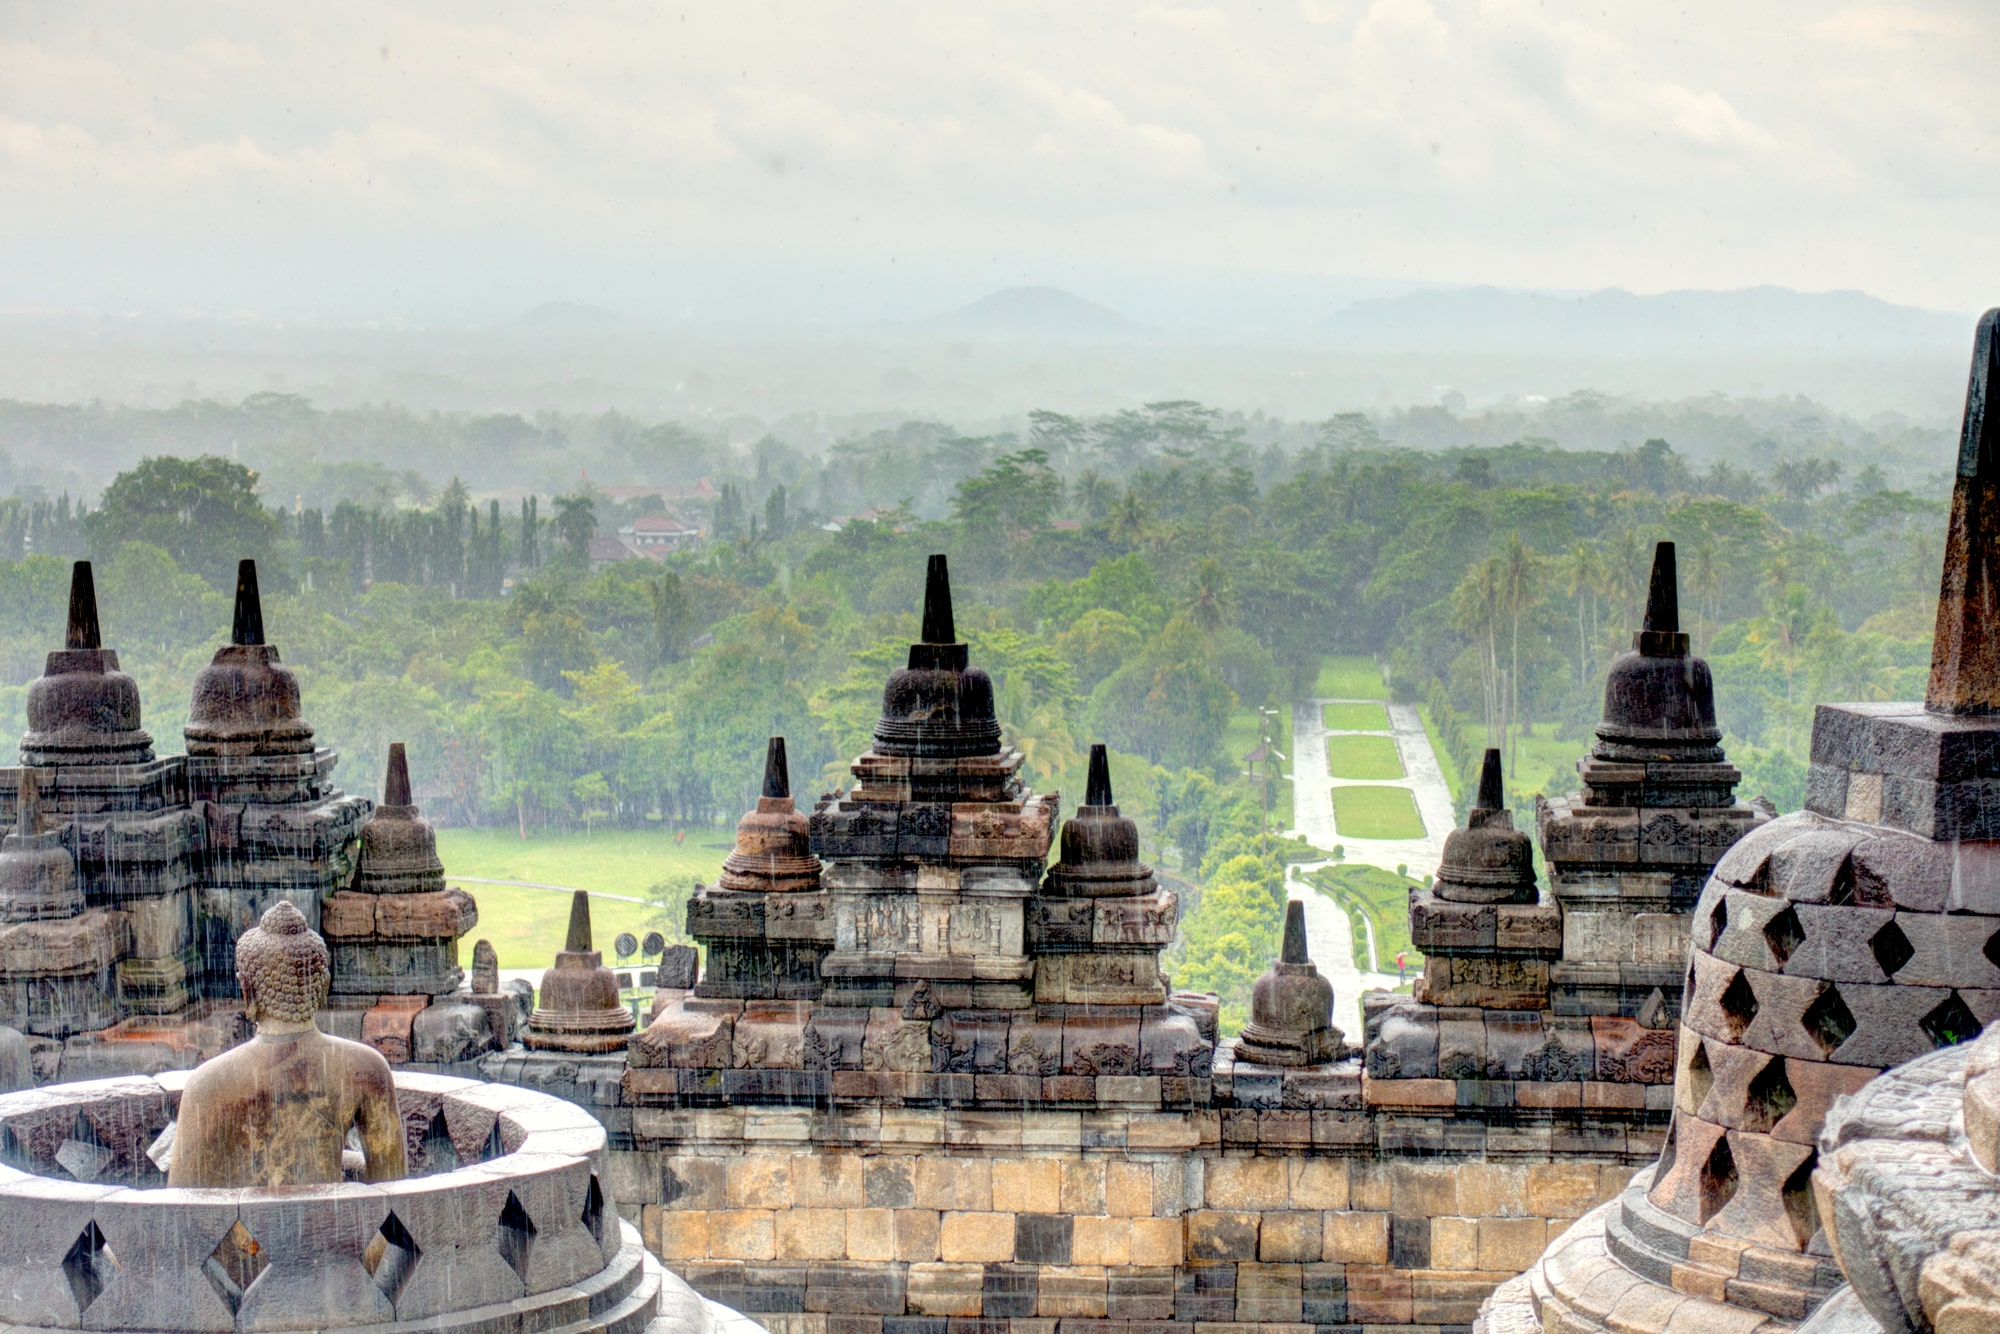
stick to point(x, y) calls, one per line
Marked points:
point(1033, 310)
point(1613, 321)
point(567, 316)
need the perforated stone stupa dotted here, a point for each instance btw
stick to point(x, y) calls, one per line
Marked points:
point(1829, 945)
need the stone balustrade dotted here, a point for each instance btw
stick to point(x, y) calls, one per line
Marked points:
point(508, 1227)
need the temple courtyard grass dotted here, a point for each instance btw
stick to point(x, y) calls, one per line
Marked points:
point(526, 925)
point(1354, 717)
point(1376, 812)
point(1352, 676)
point(1363, 757)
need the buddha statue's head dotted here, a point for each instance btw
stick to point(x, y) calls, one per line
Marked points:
point(283, 967)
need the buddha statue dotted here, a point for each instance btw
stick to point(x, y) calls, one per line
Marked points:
point(276, 1110)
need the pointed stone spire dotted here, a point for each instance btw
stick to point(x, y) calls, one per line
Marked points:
point(396, 782)
point(1097, 788)
point(1965, 652)
point(83, 629)
point(248, 624)
point(1294, 950)
point(1492, 791)
point(579, 924)
point(938, 624)
point(1660, 633)
point(777, 774)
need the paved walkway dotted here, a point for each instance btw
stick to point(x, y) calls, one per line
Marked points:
point(1312, 789)
point(1329, 932)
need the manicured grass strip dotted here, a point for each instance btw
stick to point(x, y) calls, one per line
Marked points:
point(1363, 757)
point(1376, 812)
point(1350, 677)
point(1354, 717)
point(526, 925)
point(1385, 897)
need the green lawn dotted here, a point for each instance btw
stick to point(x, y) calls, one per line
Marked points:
point(1376, 812)
point(526, 925)
point(1351, 677)
point(1354, 717)
point(1384, 897)
point(1363, 757)
point(1543, 763)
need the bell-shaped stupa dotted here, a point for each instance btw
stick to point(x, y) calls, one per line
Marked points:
point(577, 1007)
point(1291, 1007)
point(82, 710)
point(245, 701)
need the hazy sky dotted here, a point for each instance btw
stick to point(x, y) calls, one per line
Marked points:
point(423, 158)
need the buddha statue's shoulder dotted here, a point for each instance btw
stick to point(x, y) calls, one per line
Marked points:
point(360, 1063)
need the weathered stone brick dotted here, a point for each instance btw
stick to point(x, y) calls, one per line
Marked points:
point(1424, 1190)
point(945, 1289)
point(1377, 1296)
point(1100, 1240)
point(1028, 1185)
point(676, 1234)
point(916, 1234)
point(1072, 1293)
point(1356, 1238)
point(1491, 1190)
point(829, 1181)
point(740, 1234)
point(1217, 1235)
point(871, 1234)
point(760, 1181)
point(1292, 1236)
point(1562, 1190)
point(1083, 1186)
point(1510, 1245)
point(1042, 1239)
point(811, 1234)
point(961, 1184)
point(976, 1237)
point(1319, 1183)
point(1454, 1243)
point(1157, 1241)
point(1246, 1183)
point(1128, 1188)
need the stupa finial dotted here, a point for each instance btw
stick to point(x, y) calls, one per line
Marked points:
point(83, 627)
point(247, 627)
point(777, 774)
point(1965, 652)
point(938, 626)
point(1097, 788)
point(396, 782)
point(1663, 603)
point(579, 924)
point(1492, 792)
point(1294, 950)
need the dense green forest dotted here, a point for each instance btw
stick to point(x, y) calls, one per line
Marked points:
point(1146, 579)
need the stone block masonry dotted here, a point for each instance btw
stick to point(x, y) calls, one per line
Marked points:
point(1102, 1221)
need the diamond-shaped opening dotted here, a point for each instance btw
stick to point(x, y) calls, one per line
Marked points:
point(393, 1254)
point(1784, 934)
point(1842, 892)
point(1770, 1096)
point(13, 1152)
point(1798, 1197)
point(1950, 1022)
point(1993, 949)
point(234, 1264)
point(1718, 922)
point(88, 1265)
point(1701, 1075)
point(593, 1209)
point(436, 1153)
point(1718, 1179)
point(495, 1146)
point(1739, 1004)
point(1670, 1151)
point(516, 1236)
point(1827, 1020)
point(1891, 948)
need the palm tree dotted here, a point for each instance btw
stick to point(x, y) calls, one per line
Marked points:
point(1518, 579)
point(1475, 613)
point(1212, 605)
point(1130, 520)
point(576, 523)
point(1578, 570)
point(1706, 579)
